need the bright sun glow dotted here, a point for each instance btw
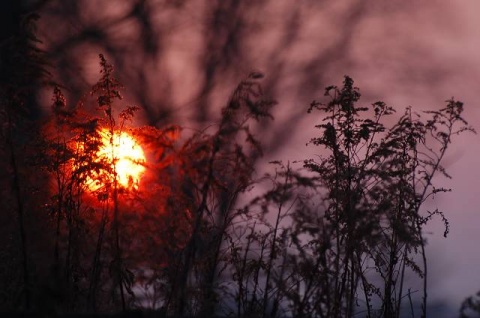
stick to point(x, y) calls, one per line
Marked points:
point(127, 154)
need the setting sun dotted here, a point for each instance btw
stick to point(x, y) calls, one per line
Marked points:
point(128, 156)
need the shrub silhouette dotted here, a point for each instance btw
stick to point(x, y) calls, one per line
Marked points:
point(346, 234)
point(376, 180)
point(329, 237)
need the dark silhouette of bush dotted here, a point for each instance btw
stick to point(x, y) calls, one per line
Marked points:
point(345, 235)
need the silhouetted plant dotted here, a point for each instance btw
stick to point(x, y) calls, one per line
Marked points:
point(341, 239)
point(196, 182)
point(86, 193)
point(221, 171)
point(375, 180)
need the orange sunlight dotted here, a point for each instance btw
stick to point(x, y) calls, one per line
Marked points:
point(127, 154)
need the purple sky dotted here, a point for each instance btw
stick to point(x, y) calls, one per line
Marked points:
point(416, 53)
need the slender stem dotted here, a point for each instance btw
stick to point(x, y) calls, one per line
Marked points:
point(96, 270)
point(273, 249)
point(425, 276)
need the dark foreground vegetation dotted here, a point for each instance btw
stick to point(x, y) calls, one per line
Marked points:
point(204, 234)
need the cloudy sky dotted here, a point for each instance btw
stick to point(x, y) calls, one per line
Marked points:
point(180, 59)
